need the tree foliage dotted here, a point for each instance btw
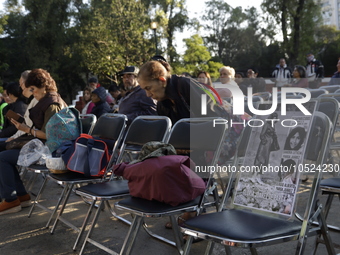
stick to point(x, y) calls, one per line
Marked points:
point(236, 36)
point(114, 36)
point(297, 21)
point(172, 17)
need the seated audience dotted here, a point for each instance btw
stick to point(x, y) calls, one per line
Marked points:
point(227, 78)
point(44, 90)
point(98, 97)
point(3, 104)
point(335, 80)
point(239, 79)
point(299, 76)
point(116, 94)
point(94, 84)
point(135, 102)
point(204, 78)
point(257, 83)
point(16, 104)
point(87, 100)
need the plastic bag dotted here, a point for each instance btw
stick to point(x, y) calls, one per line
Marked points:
point(33, 152)
point(56, 163)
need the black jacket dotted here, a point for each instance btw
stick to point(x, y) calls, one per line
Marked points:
point(183, 100)
point(102, 106)
point(9, 129)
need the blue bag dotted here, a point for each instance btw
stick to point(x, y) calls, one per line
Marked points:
point(61, 127)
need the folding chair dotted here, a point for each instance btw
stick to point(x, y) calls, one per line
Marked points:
point(331, 186)
point(330, 88)
point(88, 122)
point(251, 224)
point(109, 127)
point(317, 92)
point(266, 96)
point(152, 128)
point(197, 135)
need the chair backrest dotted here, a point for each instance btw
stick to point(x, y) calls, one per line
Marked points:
point(335, 95)
point(87, 121)
point(257, 99)
point(289, 96)
point(329, 104)
point(143, 129)
point(330, 107)
point(197, 136)
point(110, 127)
point(266, 96)
point(197, 133)
point(317, 92)
point(330, 88)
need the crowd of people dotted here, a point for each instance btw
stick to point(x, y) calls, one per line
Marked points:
point(150, 90)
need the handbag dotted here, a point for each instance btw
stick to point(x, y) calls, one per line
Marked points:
point(19, 142)
point(167, 179)
point(90, 156)
point(61, 127)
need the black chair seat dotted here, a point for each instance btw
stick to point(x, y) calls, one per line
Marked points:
point(147, 206)
point(72, 177)
point(106, 189)
point(38, 167)
point(331, 182)
point(242, 225)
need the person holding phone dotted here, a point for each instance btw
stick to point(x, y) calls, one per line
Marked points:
point(17, 105)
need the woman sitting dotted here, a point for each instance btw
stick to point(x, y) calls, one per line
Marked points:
point(17, 105)
point(44, 89)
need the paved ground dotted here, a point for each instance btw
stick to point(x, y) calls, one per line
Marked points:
point(22, 235)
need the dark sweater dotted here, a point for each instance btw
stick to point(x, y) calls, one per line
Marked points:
point(37, 113)
point(9, 129)
point(183, 100)
point(102, 106)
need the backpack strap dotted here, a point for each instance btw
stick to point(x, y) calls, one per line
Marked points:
point(90, 144)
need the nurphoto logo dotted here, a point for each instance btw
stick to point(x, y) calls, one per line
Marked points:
point(238, 101)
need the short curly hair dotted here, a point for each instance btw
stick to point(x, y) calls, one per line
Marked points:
point(40, 78)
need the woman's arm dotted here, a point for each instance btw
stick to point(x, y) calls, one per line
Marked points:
point(51, 110)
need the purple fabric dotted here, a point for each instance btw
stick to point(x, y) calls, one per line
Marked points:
point(167, 179)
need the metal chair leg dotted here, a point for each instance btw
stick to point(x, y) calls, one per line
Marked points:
point(37, 198)
point(210, 247)
point(93, 223)
point(63, 205)
point(82, 229)
point(57, 205)
point(177, 234)
point(131, 236)
point(187, 246)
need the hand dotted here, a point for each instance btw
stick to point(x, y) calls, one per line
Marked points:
point(21, 126)
point(9, 139)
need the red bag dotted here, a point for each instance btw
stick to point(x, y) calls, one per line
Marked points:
point(90, 156)
point(167, 179)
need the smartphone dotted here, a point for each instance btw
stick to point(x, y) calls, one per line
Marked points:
point(13, 115)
